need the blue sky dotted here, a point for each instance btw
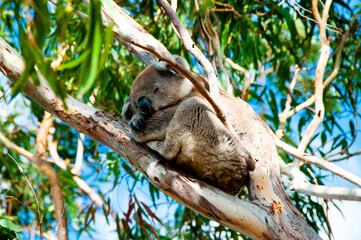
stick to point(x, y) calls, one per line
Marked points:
point(346, 226)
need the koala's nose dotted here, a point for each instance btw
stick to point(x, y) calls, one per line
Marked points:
point(145, 106)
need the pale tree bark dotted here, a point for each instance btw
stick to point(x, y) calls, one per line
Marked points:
point(49, 171)
point(157, 49)
point(269, 213)
point(40, 161)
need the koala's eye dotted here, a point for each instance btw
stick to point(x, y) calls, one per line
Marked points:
point(156, 90)
point(168, 73)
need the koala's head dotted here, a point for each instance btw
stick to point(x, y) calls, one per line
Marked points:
point(158, 86)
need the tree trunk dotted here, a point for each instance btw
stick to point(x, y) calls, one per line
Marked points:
point(269, 213)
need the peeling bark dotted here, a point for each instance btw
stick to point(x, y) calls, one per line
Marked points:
point(269, 214)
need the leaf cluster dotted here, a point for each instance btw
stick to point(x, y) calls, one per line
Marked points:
point(79, 57)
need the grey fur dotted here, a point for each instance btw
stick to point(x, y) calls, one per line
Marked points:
point(183, 127)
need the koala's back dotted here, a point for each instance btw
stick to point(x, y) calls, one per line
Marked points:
point(167, 113)
point(208, 151)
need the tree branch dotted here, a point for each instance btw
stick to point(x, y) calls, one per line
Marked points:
point(309, 159)
point(49, 171)
point(283, 119)
point(11, 146)
point(301, 185)
point(247, 77)
point(340, 193)
point(217, 46)
point(254, 219)
point(193, 49)
point(319, 107)
point(333, 74)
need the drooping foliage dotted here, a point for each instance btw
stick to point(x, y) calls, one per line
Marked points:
point(81, 58)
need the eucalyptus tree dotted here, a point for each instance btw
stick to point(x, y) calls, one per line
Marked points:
point(295, 63)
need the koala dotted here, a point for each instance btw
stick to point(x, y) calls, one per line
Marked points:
point(170, 116)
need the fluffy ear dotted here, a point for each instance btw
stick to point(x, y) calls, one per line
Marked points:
point(127, 111)
point(165, 67)
point(182, 62)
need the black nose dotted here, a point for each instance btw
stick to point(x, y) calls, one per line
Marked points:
point(145, 106)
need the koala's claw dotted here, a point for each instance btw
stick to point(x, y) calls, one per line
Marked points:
point(139, 124)
point(153, 145)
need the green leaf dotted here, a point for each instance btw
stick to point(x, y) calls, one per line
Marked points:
point(75, 62)
point(352, 128)
point(6, 223)
point(323, 138)
point(289, 20)
point(90, 71)
point(340, 2)
point(41, 28)
point(274, 109)
point(108, 38)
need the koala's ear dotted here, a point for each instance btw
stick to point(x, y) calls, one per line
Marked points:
point(165, 67)
point(127, 111)
point(181, 61)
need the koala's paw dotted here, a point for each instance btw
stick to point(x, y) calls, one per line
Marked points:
point(138, 122)
point(154, 145)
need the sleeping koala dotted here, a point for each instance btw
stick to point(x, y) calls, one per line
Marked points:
point(167, 113)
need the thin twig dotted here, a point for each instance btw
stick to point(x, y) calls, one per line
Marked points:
point(40, 215)
point(247, 77)
point(329, 26)
point(49, 171)
point(309, 159)
point(193, 49)
point(323, 203)
point(354, 135)
point(217, 46)
point(343, 158)
point(280, 131)
point(229, 8)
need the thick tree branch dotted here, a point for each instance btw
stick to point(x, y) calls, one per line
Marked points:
point(256, 220)
point(134, 33)
point(319, 107)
